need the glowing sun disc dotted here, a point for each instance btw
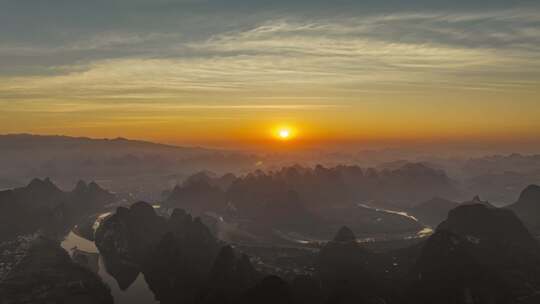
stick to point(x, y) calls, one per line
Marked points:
point(284, 133)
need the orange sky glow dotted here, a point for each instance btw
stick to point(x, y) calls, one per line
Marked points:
point(355, 77)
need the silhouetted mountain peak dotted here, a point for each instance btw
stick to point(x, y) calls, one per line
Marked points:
point(226, 254)
point(205, 176)
point(197, 184)
point(80, 187)
point(531, 194)
point(91, 195)
point(131, 232)
point(198, 221)
point(41, 192)
point(486, 223)
point(478, 201)
point(122, 211)
point(142, 210)
point(231, 270)
point(197, 196)
point(528, 207)
point(180, 221)
point(416, 167)
point(42, 185)
point(345, 235)
point(93, 186)
point(180, 215)
point(476, 249)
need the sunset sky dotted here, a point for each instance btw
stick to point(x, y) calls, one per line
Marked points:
point(228, 73)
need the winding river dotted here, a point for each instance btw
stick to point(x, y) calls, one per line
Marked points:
point(136, 293)
point(139, 292)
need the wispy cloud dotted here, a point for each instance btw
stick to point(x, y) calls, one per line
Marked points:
point(491, 50)
point(130, 107)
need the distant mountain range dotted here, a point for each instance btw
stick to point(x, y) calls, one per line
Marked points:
point(138, 168)
point(60, 142)
point(314, 201)
point(112, 162)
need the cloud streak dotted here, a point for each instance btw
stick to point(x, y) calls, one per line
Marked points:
point(295, 57)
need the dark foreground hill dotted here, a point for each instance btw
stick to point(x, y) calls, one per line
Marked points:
point(46, 274)
point(478, 255)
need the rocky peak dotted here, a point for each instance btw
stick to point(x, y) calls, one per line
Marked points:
point(345, 235)
point(197, 196)
point(190, 187)
point(40, 193)
point(232, 269)
point(81, 187)
point(198, 231)
point(122, 211)
point(180, 222)
point(203, 176)
point(142, 210)
point(528, 207)
point(131, 232)
point(180, 215)
point(416, 167)
point(225, 257)
point(476, 249)
point(45, 185)
point(476, 200)
point(531, 195)
point(93, 186)
point(486, 223)
point(90, 195)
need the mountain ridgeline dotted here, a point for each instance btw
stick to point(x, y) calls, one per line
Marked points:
point(120, 164)
point(315, 201)
point(41, 205)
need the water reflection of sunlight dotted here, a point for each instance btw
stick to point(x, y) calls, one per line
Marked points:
point(425, 232)
point(72, 240)
point(402, 213)
point(137, 293)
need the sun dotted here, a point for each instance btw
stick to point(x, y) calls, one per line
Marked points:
point(284, 133)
